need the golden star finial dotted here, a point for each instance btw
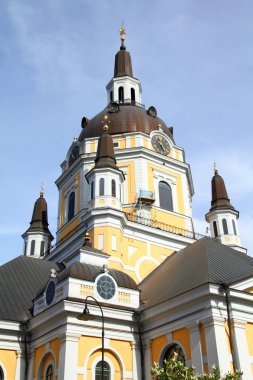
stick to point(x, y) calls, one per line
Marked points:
point(122, 32)
point(106, 121)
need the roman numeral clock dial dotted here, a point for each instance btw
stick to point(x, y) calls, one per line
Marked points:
point(160, 144)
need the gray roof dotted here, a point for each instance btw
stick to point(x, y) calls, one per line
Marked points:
point(22, 280)
point(25, 278)
point(205, 261)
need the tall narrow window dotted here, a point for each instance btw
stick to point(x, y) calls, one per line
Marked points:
point(32, 247)
point(98, 371)
point(71, 206)
point(165, 196)
point(1, 373)
point(113, 188)
point(234, 227)
point(133, 95)
point(24, 255)
point(111, 96)
point(92, 190)
point(42, 248)
point(101, 186)
point(225, 226)
point(121, 94)
point(215, 229)
point(50, 373)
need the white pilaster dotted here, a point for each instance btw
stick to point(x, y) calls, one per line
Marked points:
point(136, 361)
point(20, 366)
point(241, 349)
point(68, 357)
point(31, 365)
point(196, 353)
point(147, 359)
point(216, 344)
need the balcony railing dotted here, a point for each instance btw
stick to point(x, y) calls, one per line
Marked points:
point(127, 102)
point(163, 226)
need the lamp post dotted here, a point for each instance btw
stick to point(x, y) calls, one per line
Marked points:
point(86, 316)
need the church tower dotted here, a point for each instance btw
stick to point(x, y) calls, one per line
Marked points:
point(129, 187)
point(222, 216)
point(37, 238)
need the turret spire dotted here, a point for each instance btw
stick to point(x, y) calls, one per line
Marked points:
point(222, 216)
point(38, 237)
point(123, 64)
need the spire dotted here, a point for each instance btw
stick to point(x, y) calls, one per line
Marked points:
point(105, 151)
point(123, 64)
point(39, 220)
point(220, 198)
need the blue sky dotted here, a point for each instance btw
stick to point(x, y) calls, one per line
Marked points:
point(193, 57)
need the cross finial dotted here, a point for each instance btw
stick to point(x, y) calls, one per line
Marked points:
point(42, 189)
point(215, 169)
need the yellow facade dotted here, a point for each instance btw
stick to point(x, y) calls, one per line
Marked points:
point(8, 358)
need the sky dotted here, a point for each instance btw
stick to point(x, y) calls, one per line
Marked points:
point(194, 59)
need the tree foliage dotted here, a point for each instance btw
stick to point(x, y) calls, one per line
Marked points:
point(174, 369)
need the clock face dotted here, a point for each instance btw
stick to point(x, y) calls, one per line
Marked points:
point(106, 287)
point(160, 144)
point(50, 292)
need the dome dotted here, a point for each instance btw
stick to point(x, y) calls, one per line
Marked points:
point(89, 272)
point(124, 118)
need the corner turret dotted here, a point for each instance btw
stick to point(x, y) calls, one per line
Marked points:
point(37, 238)
point(222, 216)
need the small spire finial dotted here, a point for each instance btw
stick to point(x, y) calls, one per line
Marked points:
point(215, 169)
point(42, 190)
point(122, 33)
point(87, 239)
point(106, 121)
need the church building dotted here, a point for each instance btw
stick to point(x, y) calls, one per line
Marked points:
point(126, 281)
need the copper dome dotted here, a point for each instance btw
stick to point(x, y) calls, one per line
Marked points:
point(124, 118)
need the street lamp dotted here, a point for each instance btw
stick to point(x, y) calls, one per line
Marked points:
point(86, 316)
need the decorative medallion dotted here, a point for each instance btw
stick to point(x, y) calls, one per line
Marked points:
point(106, 287)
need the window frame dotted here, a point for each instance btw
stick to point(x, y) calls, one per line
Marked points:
point(162, 200)
point(101, 187)
point(225, 226)
point(71, 206)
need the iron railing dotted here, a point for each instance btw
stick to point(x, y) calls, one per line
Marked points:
point(163, 226)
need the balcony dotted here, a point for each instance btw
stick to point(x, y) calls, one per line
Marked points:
point(163, 226)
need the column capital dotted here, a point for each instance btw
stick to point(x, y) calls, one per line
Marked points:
point(213, 320)
point(238, 323)
point(70, 337)
point(193, 326)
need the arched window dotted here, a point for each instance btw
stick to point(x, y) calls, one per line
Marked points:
point(92, 190)
point(49, 373)
point(1, 373)
point(175, 350)
point(25, 247)
point(165, 196)
point(71, 206)
point(42, 248)
point(101, 186)
point(215, 229)
point(234, 227)
point(32, 247)
point(111, 96)
point(113, 188)
point(133, 95)
point(121, 94)
point(98, 371)
point(225, 226)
